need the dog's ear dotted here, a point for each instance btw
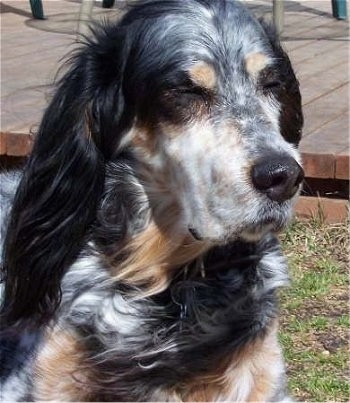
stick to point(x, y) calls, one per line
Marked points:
point(291, 118)
point(62, 183)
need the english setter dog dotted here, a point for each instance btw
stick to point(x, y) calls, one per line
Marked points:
point(140, 258)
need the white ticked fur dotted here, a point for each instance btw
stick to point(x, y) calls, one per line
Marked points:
point(201, 161)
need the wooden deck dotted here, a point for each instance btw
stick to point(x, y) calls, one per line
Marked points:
point(32, 50)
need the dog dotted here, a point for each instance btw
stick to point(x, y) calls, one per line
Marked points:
point(140, 251)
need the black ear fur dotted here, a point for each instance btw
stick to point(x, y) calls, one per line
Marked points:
point(291, 119)
point(57, 197)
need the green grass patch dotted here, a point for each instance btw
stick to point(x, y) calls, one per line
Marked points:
point(321, 387)
point(344, 320)
point(315, 321)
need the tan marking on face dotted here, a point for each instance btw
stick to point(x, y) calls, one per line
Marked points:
point(150, 257)
point(255, 62)
point(154, 254)
point(172, 130)
point(252, 374)
point(203, 74)
point(144, 140)
point(59, 372)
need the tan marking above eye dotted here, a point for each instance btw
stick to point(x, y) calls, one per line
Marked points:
point(203, 74)
point(255, 62)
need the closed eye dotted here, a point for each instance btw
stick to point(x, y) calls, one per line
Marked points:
point(269, 81)
point(184, 102)
point(192, 91)
point(271, 85)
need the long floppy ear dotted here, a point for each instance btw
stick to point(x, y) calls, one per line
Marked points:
point(291, 119)
point(57, 197)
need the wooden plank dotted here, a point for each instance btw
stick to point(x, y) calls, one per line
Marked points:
point(324, 63)
point(315, 48)
point(325, 109)
point(321, 31)
point(30, 48)
point(331, 138)
point(319, 85)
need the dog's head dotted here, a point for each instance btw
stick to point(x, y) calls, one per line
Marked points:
point(218, 117)
point(202, 94)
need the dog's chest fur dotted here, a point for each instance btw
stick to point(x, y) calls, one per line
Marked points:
point(209, 336)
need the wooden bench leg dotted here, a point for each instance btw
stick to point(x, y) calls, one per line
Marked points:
point(278, 15)
point(85, 13)
point(37, 9)
point(339, 9)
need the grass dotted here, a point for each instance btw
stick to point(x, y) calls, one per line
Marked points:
point(315, 311)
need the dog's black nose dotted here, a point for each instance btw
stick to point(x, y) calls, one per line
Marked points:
point(277, 177)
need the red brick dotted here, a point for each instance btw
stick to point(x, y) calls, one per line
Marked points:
point(319, 165)
point(334, 210)
point(342, 169)
point(3, 143)
point(18, 145)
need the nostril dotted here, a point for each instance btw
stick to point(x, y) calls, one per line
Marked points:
point(277, 177)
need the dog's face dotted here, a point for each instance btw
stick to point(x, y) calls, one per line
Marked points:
point(218, 122)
